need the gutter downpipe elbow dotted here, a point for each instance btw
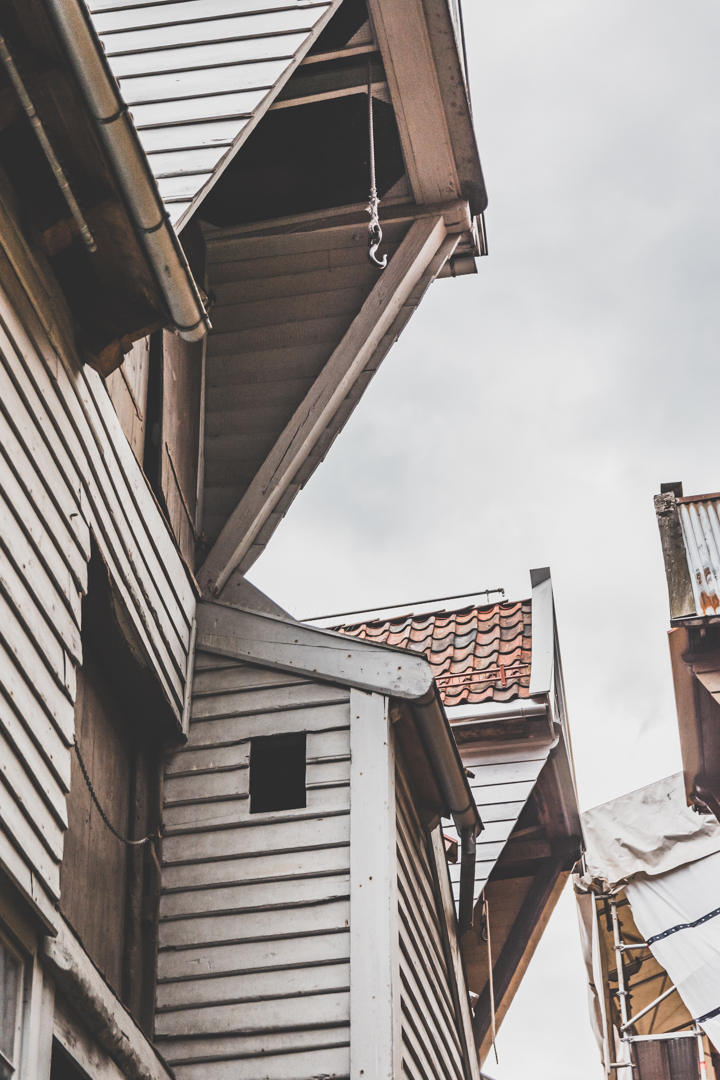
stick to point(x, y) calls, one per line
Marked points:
point(131, 168)
point(437, 738)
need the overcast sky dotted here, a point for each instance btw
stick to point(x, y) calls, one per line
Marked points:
point(529, 414)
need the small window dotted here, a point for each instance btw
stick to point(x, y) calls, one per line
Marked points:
point(277, 773)
point(11, 990)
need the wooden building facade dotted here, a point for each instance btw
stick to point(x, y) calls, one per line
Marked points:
point(499, 673)
point(149, 911)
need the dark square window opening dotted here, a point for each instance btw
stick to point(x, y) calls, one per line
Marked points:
point(277, 773)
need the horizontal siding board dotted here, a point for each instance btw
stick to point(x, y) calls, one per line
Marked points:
point(256, 1044)
point(52, 736)
point(241, 896)
point(236, 756)
point(228, 782)
point(197, 964)
point(50, 786)
point(308, 332)
point(30, 599)
point(216, 812)
point(35, 854)
point(319, 1009)
point(190, 58)
point(266, 866)
point(21, 649)
point(253, 985)
point(166, 34)
point(266, 365)
point(77, 445)
point(256, 837)
point(54, 543)
point(290, 697)
point(320, 280)
point(46, 824)
point(291, 1064)
point(293, 310)
point(236, 676)
point(188, 85)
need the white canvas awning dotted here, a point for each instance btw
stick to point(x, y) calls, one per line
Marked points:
point(666, 859)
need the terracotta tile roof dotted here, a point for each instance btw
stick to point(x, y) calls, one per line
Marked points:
point(477, 654)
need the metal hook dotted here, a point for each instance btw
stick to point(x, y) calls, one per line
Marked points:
point(375, 240)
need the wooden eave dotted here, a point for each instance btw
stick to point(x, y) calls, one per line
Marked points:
point(112, 292)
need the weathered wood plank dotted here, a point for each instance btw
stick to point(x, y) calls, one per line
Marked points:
point(28, 598)
point(214, 812)
point(328, 915)
point(296, 696)
point(56, 701)
point(191, 761)
point(52, 737)
point(51, 787)
point(243, 896)
point(281, 953)
point(268, 866)
point(236, 675)
point(298, 647)
point(52, 540)
point(15, 824)
point(48, 824)
point(246, 986)
point(293, 309)
point(232, 729)
point(289, 1065)
point(256, 837)
point(221, 1019)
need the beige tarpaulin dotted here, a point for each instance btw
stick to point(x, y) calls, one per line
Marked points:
point(651, 830)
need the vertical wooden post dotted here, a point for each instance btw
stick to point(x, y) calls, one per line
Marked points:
point(373, 890)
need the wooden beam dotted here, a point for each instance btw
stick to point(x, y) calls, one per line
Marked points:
point(402, 34)
point(374, 970)
point(321, 402)
point(305, 650)
point(521, 943)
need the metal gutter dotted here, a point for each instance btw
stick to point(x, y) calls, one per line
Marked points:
point(437, 738)
point(130, 166)
point(520, 709)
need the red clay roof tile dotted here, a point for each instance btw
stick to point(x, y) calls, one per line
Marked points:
point(477, 654)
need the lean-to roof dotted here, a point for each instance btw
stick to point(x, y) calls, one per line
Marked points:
point(198, 75)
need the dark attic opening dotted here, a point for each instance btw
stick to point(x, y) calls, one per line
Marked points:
point(277, 773)
point(311, 151)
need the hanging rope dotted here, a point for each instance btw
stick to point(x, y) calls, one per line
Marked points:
point(101, 812)
point(374, 230)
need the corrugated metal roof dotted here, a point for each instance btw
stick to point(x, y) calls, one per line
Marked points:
point(198, 74)
point(477, 654)
point(700, 522)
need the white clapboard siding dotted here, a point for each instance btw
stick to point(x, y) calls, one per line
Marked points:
point(66, 472)
point(431, 1045)
point(253, 977)
point(503, 782)
point(199, 74)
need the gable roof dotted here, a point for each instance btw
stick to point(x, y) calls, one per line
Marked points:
point(198, 75)
point(477, 654)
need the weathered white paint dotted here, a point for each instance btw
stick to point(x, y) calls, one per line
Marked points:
point(373, 891)
point(66, 472)
point(254, 917)
point(306, 650)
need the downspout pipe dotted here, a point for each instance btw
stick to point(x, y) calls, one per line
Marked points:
point(130, 166)
point(437, 738)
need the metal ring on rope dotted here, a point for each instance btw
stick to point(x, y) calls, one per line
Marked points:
point(374, 230)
